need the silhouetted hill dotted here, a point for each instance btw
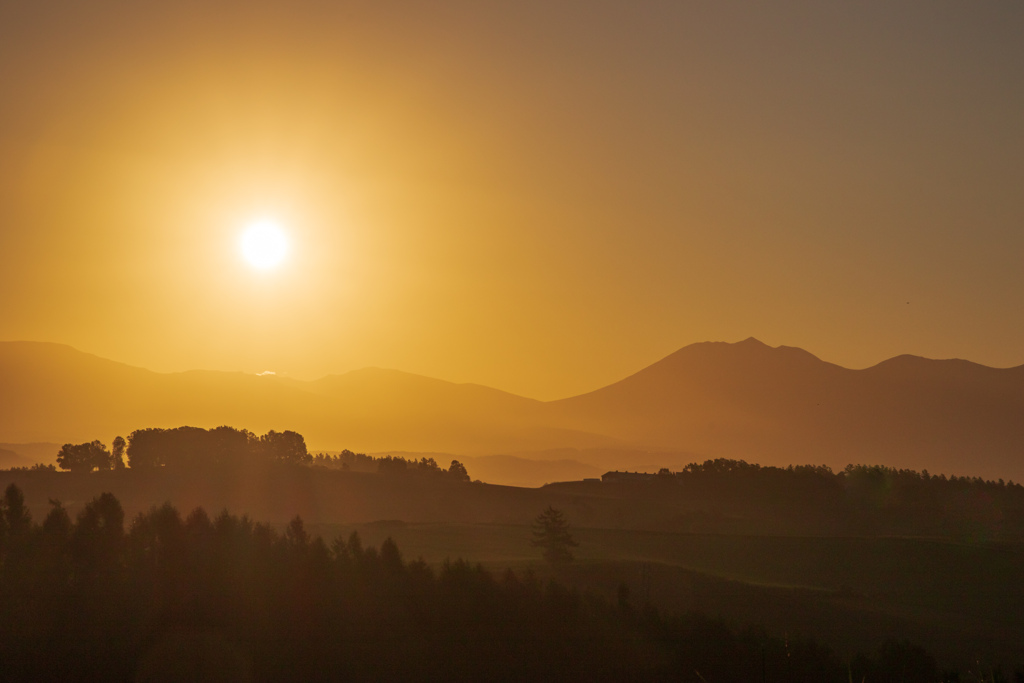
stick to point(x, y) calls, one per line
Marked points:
point(176, 595)
point(709, 398)
point(27, 454)
point(744, 400)
point(779, 405)
point(9, 459)
point(50, 392)
point(54, 393)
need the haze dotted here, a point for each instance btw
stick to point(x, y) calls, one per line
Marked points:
point(537, 197)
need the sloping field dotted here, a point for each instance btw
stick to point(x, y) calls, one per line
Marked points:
point(959, 601)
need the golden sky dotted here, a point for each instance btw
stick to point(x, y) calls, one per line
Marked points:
point(541, 197)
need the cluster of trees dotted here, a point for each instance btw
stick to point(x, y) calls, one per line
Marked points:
point(860, 499)
point(225, 598)
point(424, 466)
point(346, 460)
point(193, 446)
point(852, 477)
point(86, 457)
point(360, 462)
point(38, 467)
point(185, 447)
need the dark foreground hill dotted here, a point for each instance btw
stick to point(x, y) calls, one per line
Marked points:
point(170, 597)
point(163, 595)
point(741, 401)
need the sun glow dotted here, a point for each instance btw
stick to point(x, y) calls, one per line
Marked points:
point(264, 245)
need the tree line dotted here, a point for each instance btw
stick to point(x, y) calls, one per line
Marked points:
point(191, 447)
point(392, 465)
point(860, 499)
point(227, 598)
point(185, 447)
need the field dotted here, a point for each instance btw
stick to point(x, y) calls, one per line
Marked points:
point(958, 600)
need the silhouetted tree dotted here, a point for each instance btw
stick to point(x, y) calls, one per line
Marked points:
point(84, 457)
point(458, 471)
point(117, 453)
point(17, 518)
point(286, 446)
point(230, 445)
point(15, 522)
point(147, 448)
point(57, 522)
point(295, 533)
point(392, 465)
point(98, 535)
point(551, 532)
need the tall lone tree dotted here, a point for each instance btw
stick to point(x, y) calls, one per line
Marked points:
point(551, 532)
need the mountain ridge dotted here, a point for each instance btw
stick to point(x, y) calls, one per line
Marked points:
point(743, 400)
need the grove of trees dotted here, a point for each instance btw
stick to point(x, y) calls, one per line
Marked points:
point(391, 465)
point(860, 499)
point(186, 447)
point(428, 466)
point(85, 457)
point(192, 446)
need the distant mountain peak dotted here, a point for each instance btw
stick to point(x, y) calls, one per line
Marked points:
point(939, 366)
point(751, 347)
point(752, 342)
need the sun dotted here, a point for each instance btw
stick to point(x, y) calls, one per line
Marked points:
point(264, 245)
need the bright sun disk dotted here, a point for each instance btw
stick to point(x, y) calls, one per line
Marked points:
point(264, 245)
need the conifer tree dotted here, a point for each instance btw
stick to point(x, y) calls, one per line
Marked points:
point(551, 532)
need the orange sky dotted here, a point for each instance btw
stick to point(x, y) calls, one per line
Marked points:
point(541, 197)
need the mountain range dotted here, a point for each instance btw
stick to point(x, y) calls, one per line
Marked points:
point(745, 400)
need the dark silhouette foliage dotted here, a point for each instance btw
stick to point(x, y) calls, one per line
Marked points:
point(346, 460)
point(190, 447)
point(84, 457)
point(117, 453)
point(551, 533)
point(229, 599)
point(861, 499)
point(399, 466)
point(457, 471)
point(286, 446)
point(17, 519)
point(390, 465)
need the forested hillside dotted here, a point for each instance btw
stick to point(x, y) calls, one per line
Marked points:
point(169, 598)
